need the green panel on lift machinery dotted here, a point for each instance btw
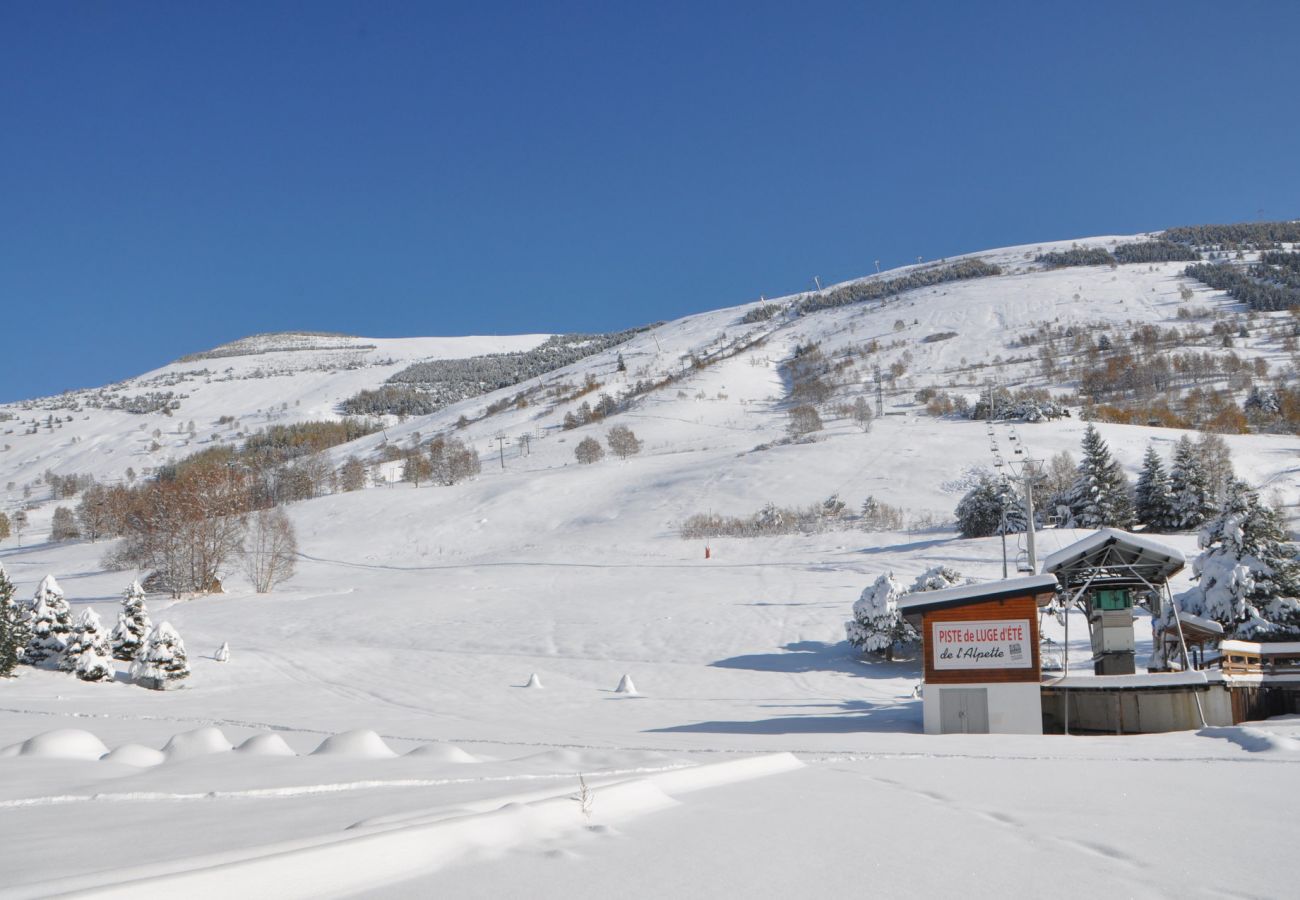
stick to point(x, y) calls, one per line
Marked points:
point(1112, 599)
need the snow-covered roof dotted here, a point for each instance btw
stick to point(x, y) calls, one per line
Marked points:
point(1200, 622)
point(1137, 681)
point(1121, 551)
point(1281, 648)
point(975, 593)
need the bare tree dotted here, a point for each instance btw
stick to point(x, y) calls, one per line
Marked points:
point(270, 549)
point(352, 476)
point(862, 413)
point(623, 441)
point(63, 527)
point(20, 522)
point(589, 451)
point(804, 419)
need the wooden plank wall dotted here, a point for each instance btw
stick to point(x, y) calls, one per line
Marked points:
point(1012, 608)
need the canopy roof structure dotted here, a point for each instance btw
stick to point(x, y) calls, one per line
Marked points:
point(1113, 558)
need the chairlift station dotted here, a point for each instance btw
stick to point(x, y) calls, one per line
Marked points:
point(984, 669)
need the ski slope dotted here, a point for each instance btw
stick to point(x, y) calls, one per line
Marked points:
point(759, 753)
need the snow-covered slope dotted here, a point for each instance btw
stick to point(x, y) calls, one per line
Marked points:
point(421, 613)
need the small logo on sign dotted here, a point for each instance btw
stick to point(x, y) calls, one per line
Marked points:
point(1015, 651)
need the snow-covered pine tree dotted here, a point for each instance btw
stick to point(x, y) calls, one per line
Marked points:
point(1248, 579)
point(877, 626)
point(1100, 496)
point(979, 514)
point(1189, 488)
point(13, 627)
point(50, 622)
point(1152, 502)
point(88, 653)
point(161, 663)
point(133, 623)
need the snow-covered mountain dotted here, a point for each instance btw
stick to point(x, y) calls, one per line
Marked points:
point(420, 612)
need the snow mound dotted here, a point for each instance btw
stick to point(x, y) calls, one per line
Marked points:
point(63, 743)
point(360, 744)
point(533, 681)
point(448, 753)
point(199, 742)
point(265, 744)
point(625, 686)
point(1253, 740)
point(137, 755)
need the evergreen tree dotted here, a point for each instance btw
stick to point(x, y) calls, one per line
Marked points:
point(161, 663)
point(13, 627)
point(1100, 496)
point(980, 513)
point(877, 626)
point(49, 621)
point(1248, 578)
point(88, 653)
point(133, 624)
point(1153, 503)
point(1189, 488)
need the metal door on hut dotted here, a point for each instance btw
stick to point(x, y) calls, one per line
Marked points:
point(964, 711)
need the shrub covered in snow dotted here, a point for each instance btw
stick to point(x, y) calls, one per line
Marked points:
point(877, 625)
point(161, 663)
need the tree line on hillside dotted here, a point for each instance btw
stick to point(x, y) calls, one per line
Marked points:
point(1134, 252)
point(881, 289)
point(1242, 234)
point(1263, 286)
point(427, 387)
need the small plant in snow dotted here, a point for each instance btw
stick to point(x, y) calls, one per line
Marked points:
point(584, 797)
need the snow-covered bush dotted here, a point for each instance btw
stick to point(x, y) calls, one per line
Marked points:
point(1248, 579)
point(88, 653)
point(937, 579)
point(877, 626)
point(161, 663)
point(133, 624)
point(49, 621)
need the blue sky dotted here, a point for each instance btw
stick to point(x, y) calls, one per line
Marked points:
point(176, 175)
